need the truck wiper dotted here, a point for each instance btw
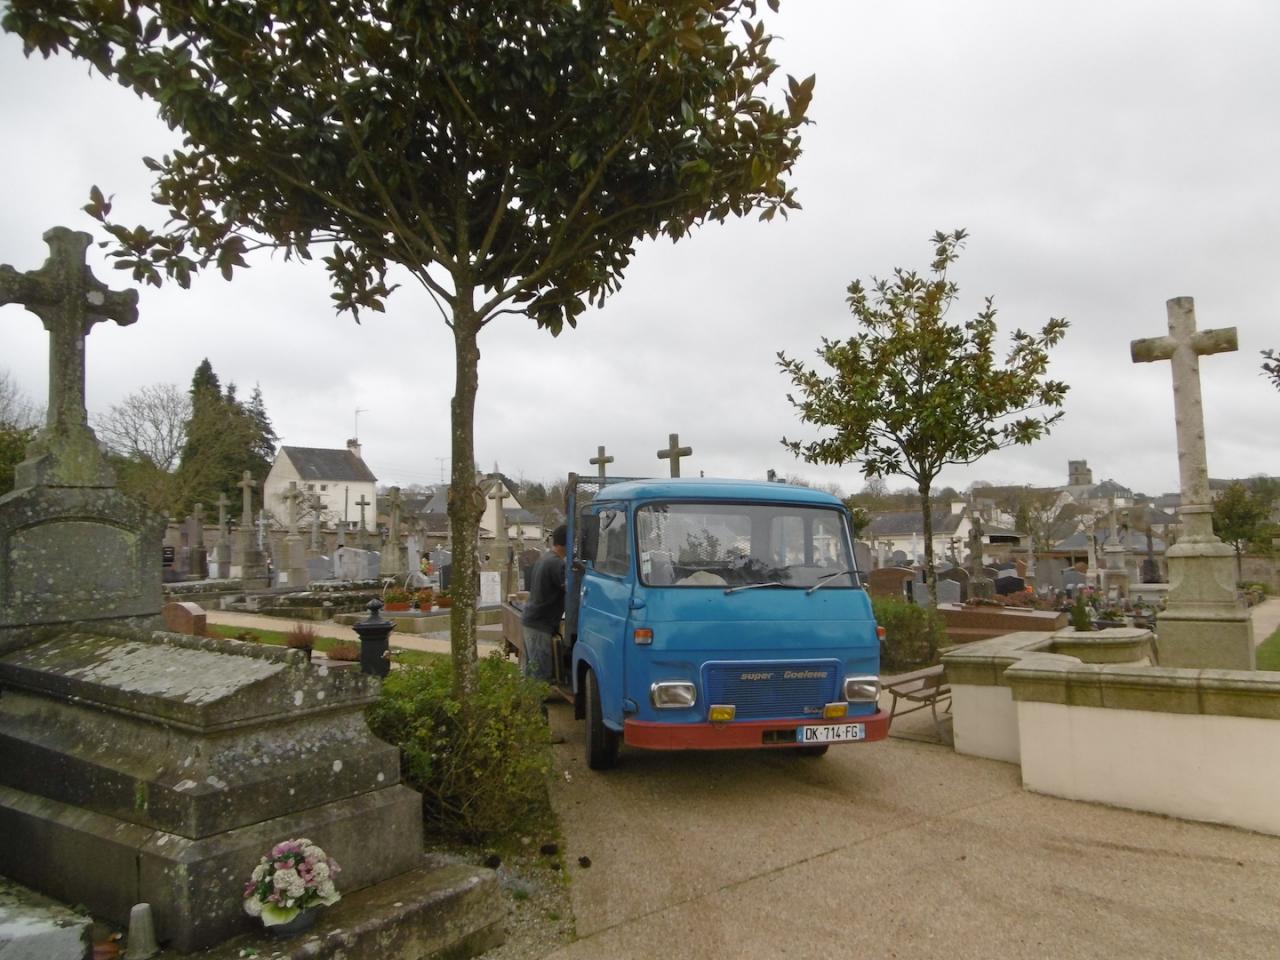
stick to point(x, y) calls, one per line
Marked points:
point(822, 581)
point(753, 586)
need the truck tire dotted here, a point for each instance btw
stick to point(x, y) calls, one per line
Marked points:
point(602, 743)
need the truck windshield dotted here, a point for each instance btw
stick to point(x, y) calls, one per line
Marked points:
point(731, 545)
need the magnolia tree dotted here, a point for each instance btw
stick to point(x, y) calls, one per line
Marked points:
point(911, 393)
point(507, 155)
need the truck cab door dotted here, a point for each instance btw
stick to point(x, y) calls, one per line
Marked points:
point(607, 585)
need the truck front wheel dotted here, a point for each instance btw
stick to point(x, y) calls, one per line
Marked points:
point(602, 743)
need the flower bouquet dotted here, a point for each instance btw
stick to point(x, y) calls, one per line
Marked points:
point(295, 877)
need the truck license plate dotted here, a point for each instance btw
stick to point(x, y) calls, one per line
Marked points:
point(831, 733)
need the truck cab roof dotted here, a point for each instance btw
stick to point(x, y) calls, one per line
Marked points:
point(707, 488)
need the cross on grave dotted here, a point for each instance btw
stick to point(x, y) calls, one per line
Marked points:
point(600, 460)
point(1183, 347)
point(674, 452)
point(394, 502)
point(291, 498)
point(498, 495)
point(247, 483)
point(362, 503)
point(69, 300)
point(223, 503)
point(315, 522)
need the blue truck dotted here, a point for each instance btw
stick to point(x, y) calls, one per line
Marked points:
point(715, 614)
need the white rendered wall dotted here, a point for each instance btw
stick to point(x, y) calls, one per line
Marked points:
point(984, 722)
point(1215, 768)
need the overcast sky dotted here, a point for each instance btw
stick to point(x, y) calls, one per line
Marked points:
point(1104, 157)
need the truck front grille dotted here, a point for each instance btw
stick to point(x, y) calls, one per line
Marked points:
point(772, 690)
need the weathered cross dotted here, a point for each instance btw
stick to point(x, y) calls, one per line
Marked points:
point(600, 460)
point(1184, 346)
point(69, 300)
point(674, 452)
point(498, 495)
point(362, 503)
point(291, 497)
point(394, 502)
point(223, 503)
point(315, 521)
point(247, 483)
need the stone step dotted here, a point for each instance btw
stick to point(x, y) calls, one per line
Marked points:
point(456, 911)
point(33, 927)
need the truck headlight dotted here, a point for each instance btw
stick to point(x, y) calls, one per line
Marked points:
point(862, 689)
point(673, 695)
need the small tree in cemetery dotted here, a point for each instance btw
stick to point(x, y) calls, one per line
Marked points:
point(507, 155)
point(18, 419)
point(912, 393)
point(1239, 515)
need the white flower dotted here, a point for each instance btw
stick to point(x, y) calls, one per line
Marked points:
point(320, 871)
point(253, 907)
point(284, 879)
point(259, 872)
point(325, 889)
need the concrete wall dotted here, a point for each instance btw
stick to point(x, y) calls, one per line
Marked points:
point(1259, 569)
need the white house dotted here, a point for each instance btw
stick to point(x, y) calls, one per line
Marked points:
point(340, 478)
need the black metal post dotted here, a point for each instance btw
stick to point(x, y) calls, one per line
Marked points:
point(375, 641)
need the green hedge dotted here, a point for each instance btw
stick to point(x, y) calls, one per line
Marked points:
point(482, 771)
point(912, 637)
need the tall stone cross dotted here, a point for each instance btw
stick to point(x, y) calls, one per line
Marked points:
point(498, 495)
point(291, 497)
point(315, 522)
point(69, 300)
point(247, 484)
point(599, 460)
point(362, 503)
point(674, 452)
point(223, 503)
point(1184, 346)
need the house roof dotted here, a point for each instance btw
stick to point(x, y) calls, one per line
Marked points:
point(901, 522)
point(317, 463)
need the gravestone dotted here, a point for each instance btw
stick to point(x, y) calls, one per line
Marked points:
point(862, 556)
point(220, 568)
point(949, 592)
point(920, 593)
point(248, 562)
point(888, 582)
point(295, 573)
point(1204, 623)
point(352, 563)
point(72, 546)
point(898, 559)
point(960, 577)
point(1073, 580)
point(490, 588)
point(1010, 583)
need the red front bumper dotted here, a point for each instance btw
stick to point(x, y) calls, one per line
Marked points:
point(736, 735)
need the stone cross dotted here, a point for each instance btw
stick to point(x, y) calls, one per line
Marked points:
point(498, 495)
point(262, 528)
point(362, 503)
point(291, 497)
point(69, 300)
point(1183, 347)
point(1088, 521)
point(197, 513)
point(600, 460)
point(674, 452)
point(315, 522)
point(247, 484)
point(394, 502)
point(223, 503)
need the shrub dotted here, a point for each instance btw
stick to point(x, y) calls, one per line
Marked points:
point(1080, 618)
point(912, 634)
point(343, 651)
point(482, 769)
point(301, 636)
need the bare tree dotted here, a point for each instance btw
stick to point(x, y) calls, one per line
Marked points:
point(148, 425)
point(16, 409)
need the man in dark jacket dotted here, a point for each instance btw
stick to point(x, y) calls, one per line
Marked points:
point(544, 609)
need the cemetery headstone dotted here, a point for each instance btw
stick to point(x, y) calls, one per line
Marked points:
point(296, 573)
point(490, 588)
point(862, 556)
point(1204, 623)
point(1010, 583)
point(960, 577)
point(948, 591)
point(221, 564)
point(898, 559)
point(248, 562)
point(352, 563)
point(72, 547)
point(888, 582)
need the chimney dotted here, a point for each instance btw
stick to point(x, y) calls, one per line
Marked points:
point(354, 446)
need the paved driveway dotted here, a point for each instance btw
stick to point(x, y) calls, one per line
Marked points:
point(897, 849)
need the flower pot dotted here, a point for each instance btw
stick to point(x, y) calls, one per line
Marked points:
point(305, 920)
point(394, 607)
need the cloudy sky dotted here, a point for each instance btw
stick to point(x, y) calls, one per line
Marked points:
point(1104, 157)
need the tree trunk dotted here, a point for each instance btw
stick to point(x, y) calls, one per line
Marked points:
point(466, 505)
point(926, 515)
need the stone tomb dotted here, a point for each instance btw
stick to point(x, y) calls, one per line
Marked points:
point(159, 768)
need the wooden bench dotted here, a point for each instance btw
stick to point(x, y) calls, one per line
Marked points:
point(923, 688)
